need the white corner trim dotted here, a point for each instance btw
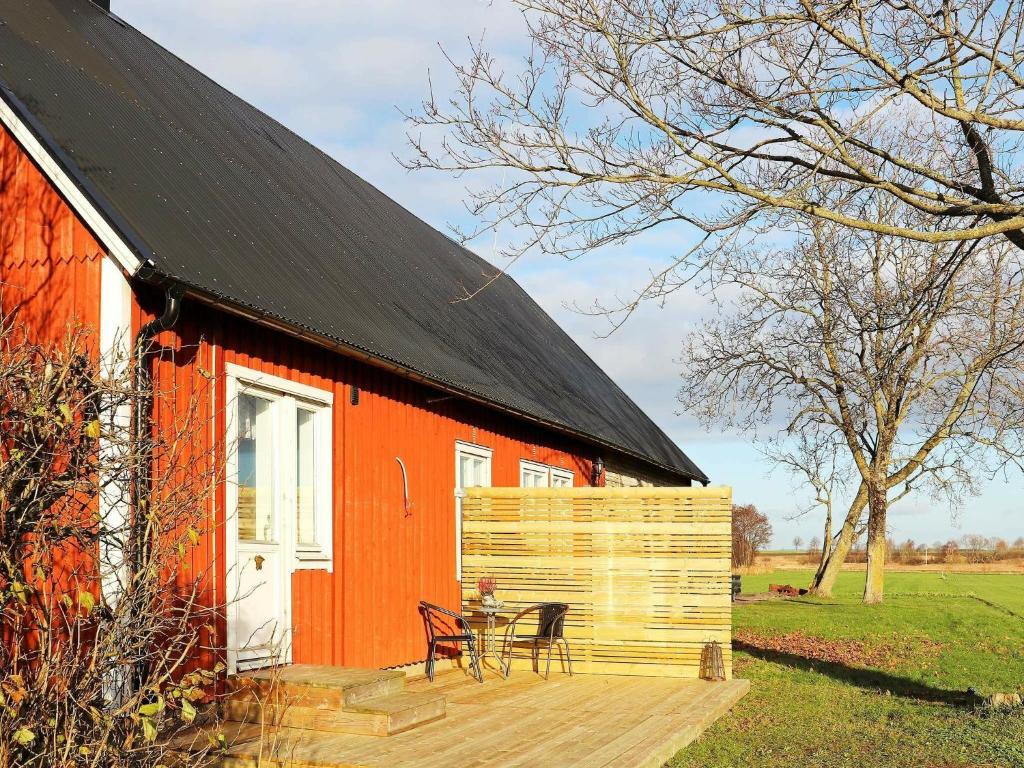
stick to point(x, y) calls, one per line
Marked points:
point(70, 191)
point(114, 500)
point(115, 314)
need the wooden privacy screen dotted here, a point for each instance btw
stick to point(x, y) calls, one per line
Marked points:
point(646, 571)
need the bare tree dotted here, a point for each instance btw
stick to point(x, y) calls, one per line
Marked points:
point(628, 114)
point(814, 546)
point(814, 457)
point(751, 532)
point(907, 355)
point(103, 614)
point(896, 123)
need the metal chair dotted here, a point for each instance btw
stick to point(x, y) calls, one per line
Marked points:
point(550, 629)
point(444, 626)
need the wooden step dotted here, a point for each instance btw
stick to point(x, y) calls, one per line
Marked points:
point(402, 711)
point(383, 716)
point(331, 700)
point(316, 685)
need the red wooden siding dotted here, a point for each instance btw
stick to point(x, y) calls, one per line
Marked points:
point(49, 261)
point(50, 282)
point(364, 612)
point(385, 560)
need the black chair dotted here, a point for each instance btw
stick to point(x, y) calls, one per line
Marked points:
point(444, 626)
point(550, 630)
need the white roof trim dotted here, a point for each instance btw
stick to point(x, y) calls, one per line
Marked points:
point(70, 191)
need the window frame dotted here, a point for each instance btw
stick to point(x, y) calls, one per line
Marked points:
point(287, 397)
point(550, 471)
point(537, 468)
point(563, 474)
point(463, 448)
point(322, 507)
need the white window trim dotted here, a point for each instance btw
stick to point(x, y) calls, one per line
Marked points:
point(534, 466)
point(564, 474)
point(241, 379)
point(551, 471)
point(480, 452)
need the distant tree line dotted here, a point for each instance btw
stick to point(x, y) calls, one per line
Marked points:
point(969, 548)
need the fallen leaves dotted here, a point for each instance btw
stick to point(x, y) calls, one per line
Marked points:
point(888, 654)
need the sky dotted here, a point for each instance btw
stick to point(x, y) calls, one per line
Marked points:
point(341, 72)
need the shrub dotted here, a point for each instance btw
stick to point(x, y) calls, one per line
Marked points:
point(101, 617)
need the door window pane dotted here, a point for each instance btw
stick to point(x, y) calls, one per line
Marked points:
point(305, 476)
point(255, 470)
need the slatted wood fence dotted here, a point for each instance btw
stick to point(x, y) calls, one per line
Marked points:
point(645, 570)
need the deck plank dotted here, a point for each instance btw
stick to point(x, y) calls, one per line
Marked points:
point(592, 720)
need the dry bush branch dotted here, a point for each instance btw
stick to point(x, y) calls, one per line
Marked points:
point(104, 611)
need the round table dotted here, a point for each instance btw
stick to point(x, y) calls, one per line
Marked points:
point(490, 648)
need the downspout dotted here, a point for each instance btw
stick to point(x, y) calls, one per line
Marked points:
point(142, 418)
point(142, 423)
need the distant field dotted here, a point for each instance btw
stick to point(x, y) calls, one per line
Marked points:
point(837, 683)
point(781, 561)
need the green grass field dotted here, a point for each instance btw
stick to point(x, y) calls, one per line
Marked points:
point(836, 683)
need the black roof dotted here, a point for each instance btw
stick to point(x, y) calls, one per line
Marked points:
point(229, 202)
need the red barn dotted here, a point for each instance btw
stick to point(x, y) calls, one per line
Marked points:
point(353, 396)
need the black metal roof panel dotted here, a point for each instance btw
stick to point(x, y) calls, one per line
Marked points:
point(228, 201)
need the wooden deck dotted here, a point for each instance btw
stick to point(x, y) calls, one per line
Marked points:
point(591, 720)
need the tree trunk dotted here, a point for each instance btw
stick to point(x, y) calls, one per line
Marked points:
point(828, 570)
point(874, 583)
point(826, 547)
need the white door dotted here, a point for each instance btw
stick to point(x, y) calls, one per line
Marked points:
point(280, 508)
point(261, 603)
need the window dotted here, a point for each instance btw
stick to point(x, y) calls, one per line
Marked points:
point(561, 478)
point(534, 475)
point(281, 463)
point(472, 470)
